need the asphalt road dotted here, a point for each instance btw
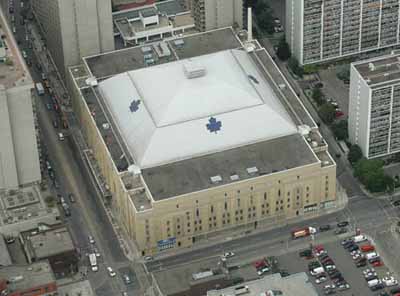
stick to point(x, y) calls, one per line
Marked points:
point(88, 216)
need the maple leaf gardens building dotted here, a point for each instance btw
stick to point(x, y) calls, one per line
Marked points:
point(199, 136)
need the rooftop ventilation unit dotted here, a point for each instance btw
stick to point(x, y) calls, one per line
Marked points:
point(371, 66)
point(179, 43)
point(162, 49)
point(216, 179)
point(91, 81)
point(146, 49)
point(234, 177)
point(252, 170)
point(193, 69)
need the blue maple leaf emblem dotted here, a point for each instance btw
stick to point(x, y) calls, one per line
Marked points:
point(134, 105)
point(213, 125)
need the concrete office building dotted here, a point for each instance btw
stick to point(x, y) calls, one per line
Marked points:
point(74, 29)
point(210, 138)
point(374, 107)
point(321, 30)
point(214, 14)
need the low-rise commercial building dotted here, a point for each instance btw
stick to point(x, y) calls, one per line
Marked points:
point(297, 284)
point(374, 108)
point(208, 139)
point(35, 279)
point(54, 245)
point(152, 22)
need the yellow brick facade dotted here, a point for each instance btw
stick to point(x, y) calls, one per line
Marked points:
point(244, 205)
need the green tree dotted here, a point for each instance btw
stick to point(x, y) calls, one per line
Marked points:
point(355, 154)
point(370, 173)
point(317, 96)
point(283, 51)
point(295, 67)
point(265, 21)
point(309, 69)
point(327, 113)
point(343, 72)
point(339, 129)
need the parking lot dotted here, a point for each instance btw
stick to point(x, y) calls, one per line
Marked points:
point(345, 265)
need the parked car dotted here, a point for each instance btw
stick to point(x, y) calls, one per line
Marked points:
point(367, 248)
point(229, 254)
point(324, 228)
point(127, 279)
point(262, 271)
point(378, 263)
point(377, 287)
point(111, 272)
point(361, 263)
point(353, 248)
point(390, 281)
point(55, 123)
point(321, 280)
point(343, 224)
point(305, 253)
point(91, 239)
point(71, 197)
point(341, 230)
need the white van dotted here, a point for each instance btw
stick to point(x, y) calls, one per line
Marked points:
point(317, 270)
point(374, 282)
point(359, 238)
point(371, 255)
point(61, 136)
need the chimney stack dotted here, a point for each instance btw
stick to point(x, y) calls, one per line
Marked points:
point(249, 25)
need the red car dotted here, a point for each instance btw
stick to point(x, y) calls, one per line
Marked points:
point(260, 264)
point(338, 113)
point(377, 264)
point(367, 248)
point(319, 248)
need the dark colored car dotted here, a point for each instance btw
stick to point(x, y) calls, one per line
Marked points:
point(395, 290)
point(343, 224)
point(305, 253)
point(396, 203)
point(335, 275)
point(313, 264)
point(55, 123)
point(71, 197)
point(341, 230)
point(346, 241)
point(376, 259)
point(361, 263)
point(353, 248)
point(324, 228)
point(377, 287)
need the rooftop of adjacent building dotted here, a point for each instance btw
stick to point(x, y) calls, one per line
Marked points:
point(297, 284)
point(49, 242)
point(168, 8)
point(80, 288)
point(25, 277)
point(380, 71)
point(116, 62)
point(13, 70)
point(22, 206)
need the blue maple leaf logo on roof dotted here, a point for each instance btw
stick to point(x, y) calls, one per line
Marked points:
point(213, 125)
point(134, 105)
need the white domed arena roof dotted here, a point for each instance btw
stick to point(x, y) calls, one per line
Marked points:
point(194, 107)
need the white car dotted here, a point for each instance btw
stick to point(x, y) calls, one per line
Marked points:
point(327, 287)
point(368, 270)
point(91, 239)
point(352, 253)
point(61, 136)
point(330, 267)
point(96, 251)
point(357, 256)
point(263, 270)
point(320, 280)
point(229, 254)
point(390, 281)
point(322, 252)
point(111, 272)
point(367, 275)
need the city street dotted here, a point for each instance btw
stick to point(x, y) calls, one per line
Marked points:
point(87, 213)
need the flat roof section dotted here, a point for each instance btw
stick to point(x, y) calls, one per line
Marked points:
point(33, 275)
point(50, 242)
point(195, 174)
point(380, 71)
point(289, 99)
point(297, 284)
point(116, 62)
point(206, 43)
